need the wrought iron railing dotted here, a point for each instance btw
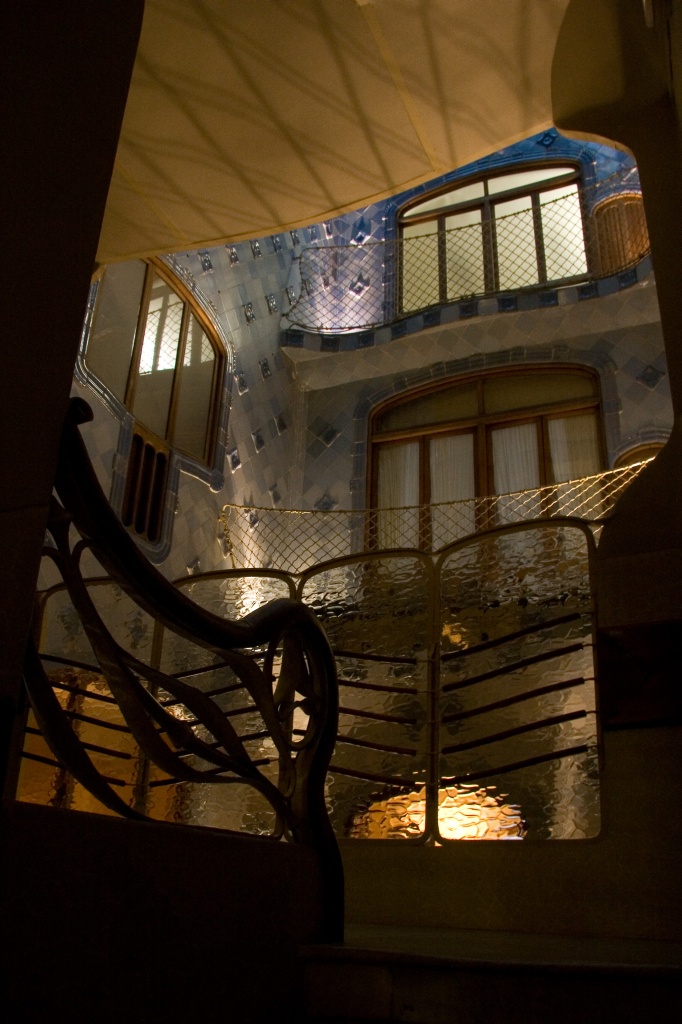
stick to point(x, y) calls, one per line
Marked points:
point(294, 541)
point(467, 711)
point(595, 232)
point(138, 691)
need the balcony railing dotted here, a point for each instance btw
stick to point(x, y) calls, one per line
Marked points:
point(353, 287)
point(294, 541)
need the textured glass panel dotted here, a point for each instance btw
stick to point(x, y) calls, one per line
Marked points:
point(525, 390)
point(456, 195)
point(195, 392)
point(517, 676)
point(371, 611)
point(443, 406)
point(516, 254)
point(562, 233)
point(420, 273)
point(520, 179)
point(110, 344)
point(464, 254)
point(158, 357)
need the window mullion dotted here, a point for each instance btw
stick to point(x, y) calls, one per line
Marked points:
point(490, 267)
point(539, 238)
point(179, 362)
point(139, 340)
point(442, 262)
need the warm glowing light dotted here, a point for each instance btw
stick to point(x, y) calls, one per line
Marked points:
point(464, 812)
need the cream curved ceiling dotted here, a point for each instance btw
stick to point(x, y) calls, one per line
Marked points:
point(247, 117)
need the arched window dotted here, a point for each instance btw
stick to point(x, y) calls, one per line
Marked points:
point(485, 435)
point(508, 231)
point(154, 348)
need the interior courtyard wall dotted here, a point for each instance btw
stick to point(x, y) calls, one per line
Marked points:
point(297, 429)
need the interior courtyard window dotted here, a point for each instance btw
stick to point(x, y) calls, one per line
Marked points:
point(156, 351)
point(505, 232)
point(498, 434)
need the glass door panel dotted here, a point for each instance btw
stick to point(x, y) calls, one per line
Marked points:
point(464, 254)
point(516, 467)
point(574, 453)
point(453, 479)
point(517, 260)
point(398, 496)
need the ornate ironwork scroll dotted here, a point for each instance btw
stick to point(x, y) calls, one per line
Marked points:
point(277, 657)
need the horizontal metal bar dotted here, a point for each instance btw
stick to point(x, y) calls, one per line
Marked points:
point(541, 691)
point(508, 637)
point(71, 663)
point(79, 717)
point(397, 660)
point(388, 780)
point(398, 719)
point(570, 716)
point(42, 760)
point(380, 687)
point(82, 693)
point(505, 670)
point(409, 751)
point(556, 755)
point(88, 746)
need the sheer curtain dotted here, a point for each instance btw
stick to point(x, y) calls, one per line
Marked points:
point(574, 450)
point(516, 468)
point(398, 488)
point(451, 461)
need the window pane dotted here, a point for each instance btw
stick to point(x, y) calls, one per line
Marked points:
point(562, 233)
point(574, 447)
point(457, 195)
point(464, 254)
point(458, 403)
point(158, 357)
point(398, 486)
point(451, 464)
point(574, 450)
point(521, 179)
point(516, 468)
point(516, 255)
point(523, 391)
point(195, 390)
point(112, 336)
point(420, 266)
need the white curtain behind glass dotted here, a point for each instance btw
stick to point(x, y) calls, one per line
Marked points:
point(515, 468)
point(452, 479)
point(398, 487)
point(574, 450)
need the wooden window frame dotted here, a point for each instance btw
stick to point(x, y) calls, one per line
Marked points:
point(486, 204)
point(190, 308)
point(481, 426)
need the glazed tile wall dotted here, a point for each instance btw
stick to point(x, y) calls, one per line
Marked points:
point(296, 436)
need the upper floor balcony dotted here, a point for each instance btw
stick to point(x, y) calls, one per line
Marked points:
point(514, 233)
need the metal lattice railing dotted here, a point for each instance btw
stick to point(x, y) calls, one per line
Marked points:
point(294, 541)
point(581, 234)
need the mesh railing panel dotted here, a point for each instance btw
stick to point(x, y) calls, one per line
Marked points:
point(294, 541)
point(346, 288)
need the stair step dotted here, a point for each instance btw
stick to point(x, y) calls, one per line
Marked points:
point(438, 977)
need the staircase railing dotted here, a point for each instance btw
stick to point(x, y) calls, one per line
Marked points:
point(201, 715)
